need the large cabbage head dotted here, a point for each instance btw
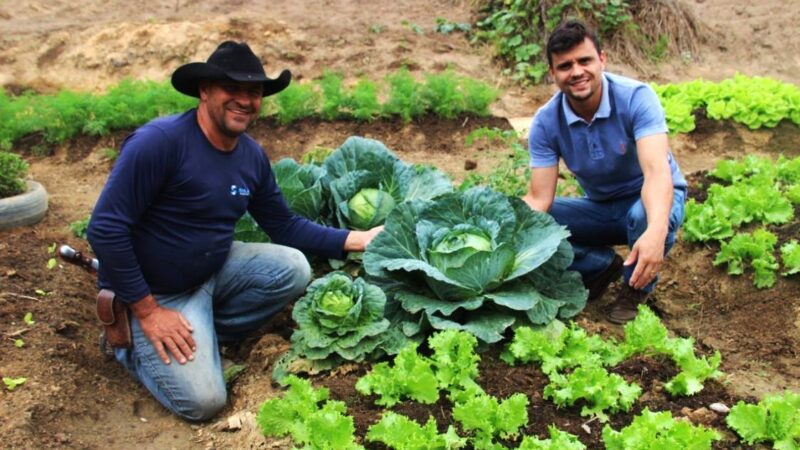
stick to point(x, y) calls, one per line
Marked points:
point(369, 208)
point(366, 181)
point(477, 261)
point(454, 247)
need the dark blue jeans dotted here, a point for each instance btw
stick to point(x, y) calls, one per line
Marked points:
point(256, 281)
point(596, 226)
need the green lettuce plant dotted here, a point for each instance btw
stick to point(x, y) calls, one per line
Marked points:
point(790, 256)
point(757, 248)
point(659, 430)
point(477, 261)
point(776, 419)
point(410, 377)
point(488, 418)
point(298, 413)
point(599, 390)
point(558, 347)
point(399, 432)
point(559, 440)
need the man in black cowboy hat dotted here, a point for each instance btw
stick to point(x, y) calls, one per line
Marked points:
point(163, 232)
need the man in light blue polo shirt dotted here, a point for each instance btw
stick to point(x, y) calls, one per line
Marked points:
point(611, 133)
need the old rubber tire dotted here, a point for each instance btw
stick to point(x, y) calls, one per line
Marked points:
point(23, 209)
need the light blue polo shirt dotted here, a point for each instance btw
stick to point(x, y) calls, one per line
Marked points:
point(601, 153)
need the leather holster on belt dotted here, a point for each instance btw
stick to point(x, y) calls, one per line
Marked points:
point(114, 315)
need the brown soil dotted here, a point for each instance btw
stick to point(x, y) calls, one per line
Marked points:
point(74, 398)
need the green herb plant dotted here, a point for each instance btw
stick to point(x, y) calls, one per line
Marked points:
point(13, 170)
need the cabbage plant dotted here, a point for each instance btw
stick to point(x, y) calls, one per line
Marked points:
point(367, 181)
point(477, 261)
point(340, 319)
point(303, 188)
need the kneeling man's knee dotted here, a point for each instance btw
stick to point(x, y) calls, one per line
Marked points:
point(202, 405)
point(300, 269)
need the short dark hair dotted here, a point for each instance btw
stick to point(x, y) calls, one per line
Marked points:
point(567, 35)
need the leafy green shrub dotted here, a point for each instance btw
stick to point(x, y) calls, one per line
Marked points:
point(13, 170)
point(477, 261)
point(599, 390)
point(647, 335)
point(518, 29)
point(557, 348)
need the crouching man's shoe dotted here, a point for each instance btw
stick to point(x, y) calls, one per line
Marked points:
point(626, 305)
point(598, 285)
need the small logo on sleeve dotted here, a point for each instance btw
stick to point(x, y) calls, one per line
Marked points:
point(239, 190)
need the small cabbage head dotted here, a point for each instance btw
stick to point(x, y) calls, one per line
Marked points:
point(336, 302)
point(455, 247)
point(369, 208)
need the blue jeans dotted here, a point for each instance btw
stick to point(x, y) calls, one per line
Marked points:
point(596, 226)
point(256, 281)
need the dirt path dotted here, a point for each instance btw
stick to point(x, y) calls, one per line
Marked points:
point(76, 399)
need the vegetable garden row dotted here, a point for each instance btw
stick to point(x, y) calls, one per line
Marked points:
point(459, 268)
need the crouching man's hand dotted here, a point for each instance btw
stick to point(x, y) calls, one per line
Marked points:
point(357, 241)
point(166, 329)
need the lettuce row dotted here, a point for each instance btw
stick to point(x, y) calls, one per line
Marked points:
point(576, 362)
point(760, 190)
point(753, 101)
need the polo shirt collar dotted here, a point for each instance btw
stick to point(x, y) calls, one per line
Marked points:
point(603, 112)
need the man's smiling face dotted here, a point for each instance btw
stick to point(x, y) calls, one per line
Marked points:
point(232, 106)
point(578, 72)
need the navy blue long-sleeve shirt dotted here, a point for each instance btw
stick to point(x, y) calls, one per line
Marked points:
point(164, 222)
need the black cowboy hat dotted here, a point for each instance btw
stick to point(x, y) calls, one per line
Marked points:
point(230, 61)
